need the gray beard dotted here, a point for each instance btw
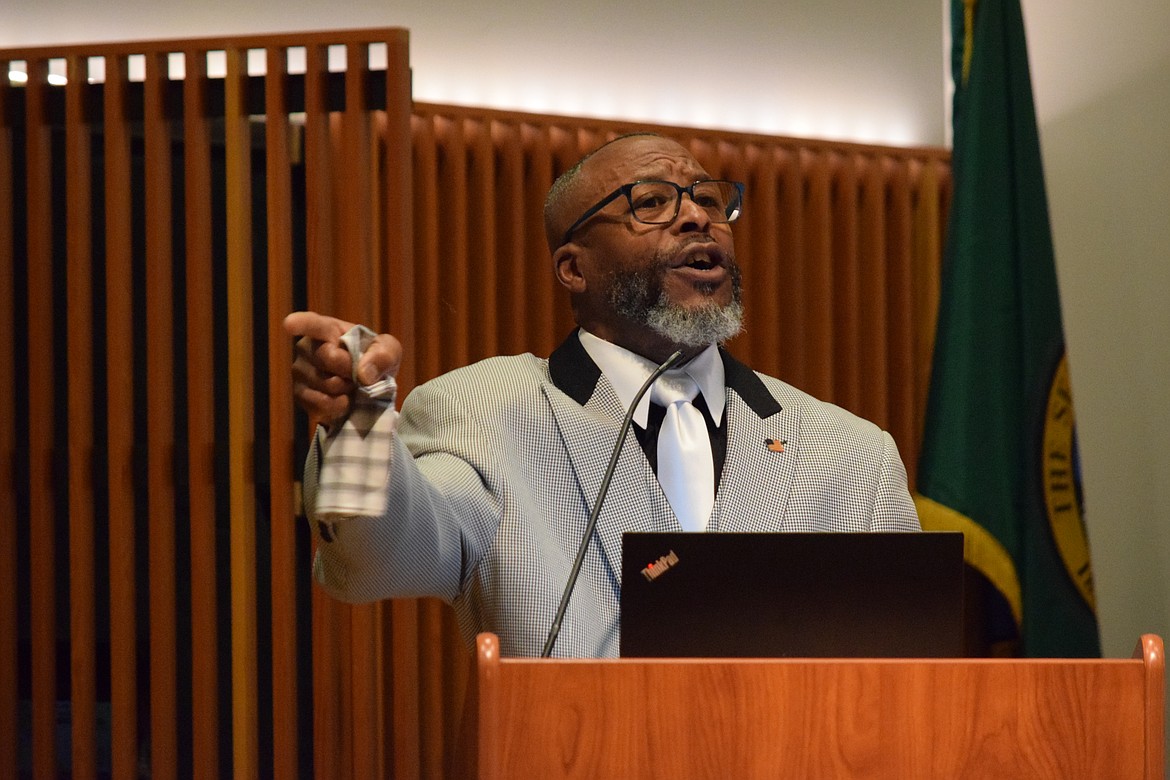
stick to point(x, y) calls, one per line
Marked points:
point(639, 296)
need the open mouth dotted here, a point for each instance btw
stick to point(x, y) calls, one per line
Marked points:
point(701, 262)
point(700, 259)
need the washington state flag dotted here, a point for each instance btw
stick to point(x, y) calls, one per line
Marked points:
point(999, 457)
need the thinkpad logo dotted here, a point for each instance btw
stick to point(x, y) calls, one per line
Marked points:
point(659, 567)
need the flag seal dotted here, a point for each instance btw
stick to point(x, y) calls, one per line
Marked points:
point(1062, 484)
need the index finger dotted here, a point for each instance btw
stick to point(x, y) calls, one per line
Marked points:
point(316, 326)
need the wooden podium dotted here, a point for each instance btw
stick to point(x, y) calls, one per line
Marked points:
point(815, 718)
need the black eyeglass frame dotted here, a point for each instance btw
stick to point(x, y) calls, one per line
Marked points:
point(736, 207)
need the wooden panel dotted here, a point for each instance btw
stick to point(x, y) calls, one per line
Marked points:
point(319, 192)
point(43, 574)
point(452, 291)
point(278, 164)
point(120, 394)
point(871, 358)
point(160, 401)
point(400, 628)
point(763, 253)
point(80, 341)
point(9, 694)
point(512, 294)
point(328, 620)
point(201, 422)
point(398, 181)
point(865, 718)
point(427, 264)
point(1152, 653)
point(484, 309)
point(816, 240)
point(353, 264)
point(898, 333)
point(241, 442)
point(929, 210)
point(846, 289)
point(354, 276)
point(546, 303)
point(139, 121)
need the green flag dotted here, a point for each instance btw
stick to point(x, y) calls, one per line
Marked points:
point(999, 456)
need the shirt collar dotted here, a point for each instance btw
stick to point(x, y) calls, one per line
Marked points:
point(627, 371)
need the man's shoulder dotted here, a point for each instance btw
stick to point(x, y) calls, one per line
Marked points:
point(505, 371)
point(815, 412)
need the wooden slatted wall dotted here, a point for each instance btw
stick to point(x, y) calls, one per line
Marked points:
point(155, 604)
point(157, 223)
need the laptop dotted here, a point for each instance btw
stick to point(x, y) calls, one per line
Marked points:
point(797, 595)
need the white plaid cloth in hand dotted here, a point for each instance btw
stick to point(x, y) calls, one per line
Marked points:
point(355, 456)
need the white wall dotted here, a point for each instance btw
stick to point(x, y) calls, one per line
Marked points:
point(828, 68)
point(842, 69)
point(1101, 74)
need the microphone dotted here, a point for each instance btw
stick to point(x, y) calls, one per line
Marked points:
point(555, 629)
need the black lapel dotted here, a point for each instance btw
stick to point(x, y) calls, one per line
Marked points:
point(576, 375)
point(749, 386)
point(572, 370)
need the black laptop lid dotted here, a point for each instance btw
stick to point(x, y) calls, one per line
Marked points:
point(800, 595)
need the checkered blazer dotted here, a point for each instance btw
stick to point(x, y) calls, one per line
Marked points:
point(496, 467)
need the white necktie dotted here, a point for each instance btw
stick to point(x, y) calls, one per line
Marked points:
point(685, 468)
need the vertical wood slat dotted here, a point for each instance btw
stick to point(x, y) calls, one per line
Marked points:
point(756, 251)
point(280, 447)
point(160, 397)
point(511, 294)
point(353, 270)
point(483, 307)
point(927, 245)
point(846, 290)
point(120, 435)
point(39, 333)
point(353, 276)
point(328, 728)
point(398, 182)
point(792, 295)
point(201, 419)
point(545, 298)
point(900, 301)
point(454, 291)
point(760, 254)
point(816, 238)
point(431, 685)
point(426, 260)
point(400, 699)
point(241, 484)
point(565, 147)
point(319, 190)
point(79, 322)
point(9, 701)
point(871, 392)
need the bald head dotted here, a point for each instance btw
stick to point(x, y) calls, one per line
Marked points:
point(571, 193)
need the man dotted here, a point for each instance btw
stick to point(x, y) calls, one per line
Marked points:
point(494, 468)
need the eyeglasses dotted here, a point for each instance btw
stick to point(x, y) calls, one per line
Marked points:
point(657, 202)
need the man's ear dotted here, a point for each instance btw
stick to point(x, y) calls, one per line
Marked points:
point(567, 267)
